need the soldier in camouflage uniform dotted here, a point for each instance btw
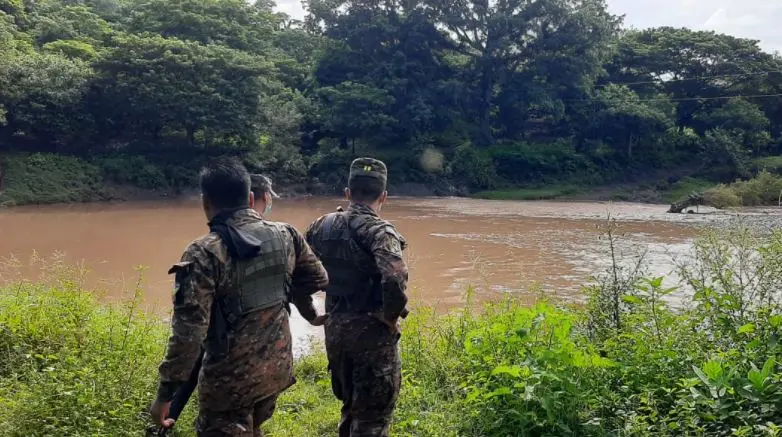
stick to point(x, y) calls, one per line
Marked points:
point(365, 298)
point(231, 288)
point(264, 193)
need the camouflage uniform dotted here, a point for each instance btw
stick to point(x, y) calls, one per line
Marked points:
point(240, 383)
point(362, 351)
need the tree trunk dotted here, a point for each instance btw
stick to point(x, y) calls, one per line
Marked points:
point(191, 135)
point(484, 106)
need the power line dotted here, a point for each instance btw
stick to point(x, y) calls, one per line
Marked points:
point(684, 79)
point(684, 99)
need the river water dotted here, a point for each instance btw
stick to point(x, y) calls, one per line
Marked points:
point(523, 248)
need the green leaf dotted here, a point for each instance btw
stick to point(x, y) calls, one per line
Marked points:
point(633, 300)
point(775, 321)
point(502, 391)
point(702, 376)
point(514, 371)
point(713, 369)
point(746, 329)
point(768, 367)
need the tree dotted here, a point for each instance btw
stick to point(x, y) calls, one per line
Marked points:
point(522, 39)
point(624, 120)
point(57, 22)
point(354, 109)
point(391, 54)
point(739, 115)
point(232, 23)
point(42, 96)
point(151, 84)
point(692, 66)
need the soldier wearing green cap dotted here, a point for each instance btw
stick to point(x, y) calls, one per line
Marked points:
point(362, 254)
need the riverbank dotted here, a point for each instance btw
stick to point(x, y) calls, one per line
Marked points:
point(53, 179)
point(625, 363)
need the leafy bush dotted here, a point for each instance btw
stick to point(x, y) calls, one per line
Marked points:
point(763, 189)
point(69, 366)
point(721, 197)
point(49, 178)
point(133, 170)
point(522, 163)
point(472, 167)
point(640, 359)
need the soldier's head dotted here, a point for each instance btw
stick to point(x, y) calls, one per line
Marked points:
point(367, 183)
point(225, 184)
point(261, 186)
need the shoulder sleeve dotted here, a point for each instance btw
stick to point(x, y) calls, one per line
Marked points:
point(386, 246)
point(308, 276)
point(194, 288)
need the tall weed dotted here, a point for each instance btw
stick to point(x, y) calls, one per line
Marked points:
point(625, 364)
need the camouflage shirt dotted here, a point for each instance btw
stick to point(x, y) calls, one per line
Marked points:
point(260, 360)
point(385, 244)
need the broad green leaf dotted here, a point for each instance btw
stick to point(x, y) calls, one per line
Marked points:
point(746, 329)
point(514, 371)
point(634, 300)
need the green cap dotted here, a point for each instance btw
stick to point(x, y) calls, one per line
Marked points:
point(368, 168)
point(261, 184)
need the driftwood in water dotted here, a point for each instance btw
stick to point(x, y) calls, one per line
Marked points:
point(694, 199)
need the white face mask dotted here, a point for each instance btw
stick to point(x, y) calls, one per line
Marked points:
point(268, 199)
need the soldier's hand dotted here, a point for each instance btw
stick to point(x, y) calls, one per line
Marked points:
point(319, 320)
point(394, 325)
point(159, 412)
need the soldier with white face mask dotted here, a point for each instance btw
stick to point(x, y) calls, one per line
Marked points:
point(263, 192)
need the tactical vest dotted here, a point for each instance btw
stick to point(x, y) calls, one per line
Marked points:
point(261, 282)
point(353, 274)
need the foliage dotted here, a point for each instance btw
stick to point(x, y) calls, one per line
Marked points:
point(70, 366)
point(545, 92)
point(721, 197)
point(48, 178)
point(763, 189)
point(642, 358)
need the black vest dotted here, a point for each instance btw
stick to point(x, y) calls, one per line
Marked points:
point(354, 279)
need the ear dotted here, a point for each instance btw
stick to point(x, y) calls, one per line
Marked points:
point(383, 197)
point(205, 205)
point(347, 194)
point(251, 200)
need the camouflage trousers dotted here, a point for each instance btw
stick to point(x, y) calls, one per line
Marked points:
point(236, 423)
point(366, 380)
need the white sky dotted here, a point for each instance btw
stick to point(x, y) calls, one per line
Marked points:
point(755, 19)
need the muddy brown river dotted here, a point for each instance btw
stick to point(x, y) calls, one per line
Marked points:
point(497, 248)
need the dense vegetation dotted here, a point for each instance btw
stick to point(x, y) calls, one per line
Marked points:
point(458, 95)
point(625, 364)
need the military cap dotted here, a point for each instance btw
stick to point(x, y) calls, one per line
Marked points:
point(369, 168)
point(261, 184)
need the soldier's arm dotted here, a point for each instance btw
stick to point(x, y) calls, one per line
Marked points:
point(387, 249)
point(309, 276)
point(193, 298)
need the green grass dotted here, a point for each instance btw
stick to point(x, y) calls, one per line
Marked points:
point(623, 365)
point(684, 187)
point(530, 193)
point(770, 163)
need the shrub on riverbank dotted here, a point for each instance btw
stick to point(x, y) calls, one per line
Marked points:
point(763, 189)
point(624, 364)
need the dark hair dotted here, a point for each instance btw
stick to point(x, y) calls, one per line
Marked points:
point(366, 190)
point(225, 183)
